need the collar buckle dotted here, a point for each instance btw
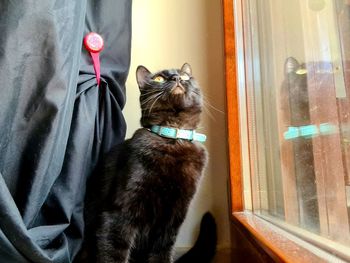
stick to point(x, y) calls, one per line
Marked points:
point(167, 132)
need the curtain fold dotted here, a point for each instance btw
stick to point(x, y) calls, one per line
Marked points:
point(55, 123)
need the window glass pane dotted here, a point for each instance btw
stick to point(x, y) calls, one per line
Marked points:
point(297, 55)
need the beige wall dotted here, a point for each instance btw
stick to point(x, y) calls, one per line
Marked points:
point(167, 33)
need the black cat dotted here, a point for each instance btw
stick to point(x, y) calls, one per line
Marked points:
point(149, 180)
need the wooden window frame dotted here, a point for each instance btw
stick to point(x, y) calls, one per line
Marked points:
point(279, 245)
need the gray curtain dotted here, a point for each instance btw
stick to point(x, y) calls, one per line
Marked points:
point(55, 123)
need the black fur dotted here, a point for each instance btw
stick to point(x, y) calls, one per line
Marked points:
point(148, 182)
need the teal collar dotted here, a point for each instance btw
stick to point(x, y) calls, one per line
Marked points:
point(174, 133)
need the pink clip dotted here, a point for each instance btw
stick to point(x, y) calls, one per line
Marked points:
point(93, 42)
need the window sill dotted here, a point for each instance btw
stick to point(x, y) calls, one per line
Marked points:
point(280, 245)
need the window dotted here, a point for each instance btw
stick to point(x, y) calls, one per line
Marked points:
point(296, 103)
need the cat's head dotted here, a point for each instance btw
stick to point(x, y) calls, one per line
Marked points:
point(169, 97)
point(294, 94)
point(296, 78)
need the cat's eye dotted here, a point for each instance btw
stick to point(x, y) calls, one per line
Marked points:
point(184, 77)
point(158, 79)
point(301, 71)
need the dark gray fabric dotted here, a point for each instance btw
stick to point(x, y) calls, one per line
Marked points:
point(55, 123)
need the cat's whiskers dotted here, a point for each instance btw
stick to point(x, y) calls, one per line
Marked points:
point(150, 109)
point(150, 98)
point(150, 92)
point(207, 104)
point(208, 112)
point(148, 104)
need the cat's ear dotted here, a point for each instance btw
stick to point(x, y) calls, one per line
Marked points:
point(141, 75)
point(186, 68)
point(291, 65)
